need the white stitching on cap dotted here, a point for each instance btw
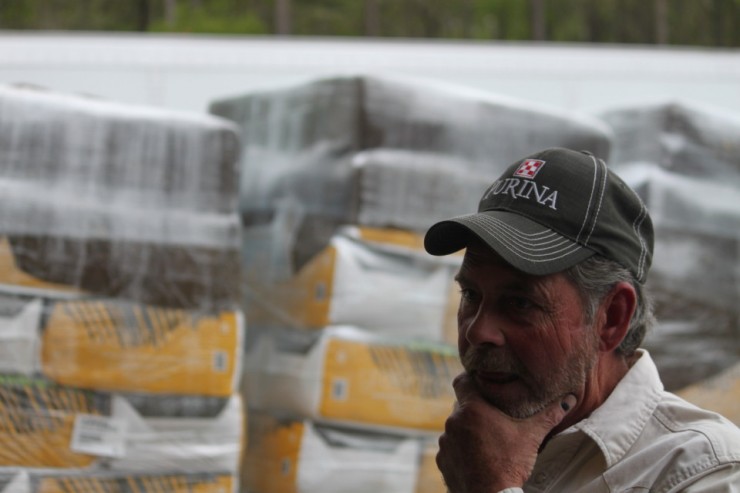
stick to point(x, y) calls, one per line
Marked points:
point(593, 186)
point(546, 237)
point(601, 200)
point(636, 225)
point(543, 237)
point(490, 228)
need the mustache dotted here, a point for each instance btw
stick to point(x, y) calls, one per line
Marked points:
point(485, 359)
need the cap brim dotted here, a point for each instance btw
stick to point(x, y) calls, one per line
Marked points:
point(523, 243)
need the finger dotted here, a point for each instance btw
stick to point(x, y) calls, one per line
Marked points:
point(464, 387)
point(553, 414)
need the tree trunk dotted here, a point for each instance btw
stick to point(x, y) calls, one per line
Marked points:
point(170, 13)
point(661, 22)
point(283, 17)
point(142, 16)
point(372, 18)
point(538, 19)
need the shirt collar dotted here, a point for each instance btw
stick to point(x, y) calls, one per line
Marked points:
point(616, 424)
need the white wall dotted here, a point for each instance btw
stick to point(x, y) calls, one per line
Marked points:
point(187, 72)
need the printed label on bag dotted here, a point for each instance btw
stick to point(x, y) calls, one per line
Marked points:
point(389, 384)
point(99, 435)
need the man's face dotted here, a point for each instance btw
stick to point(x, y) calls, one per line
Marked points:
point(522, 338)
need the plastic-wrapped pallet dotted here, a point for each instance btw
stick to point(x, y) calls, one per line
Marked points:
point(347, 376)
point(683, 160)
point(119, 294)
point(113, 345)
point(122, 201)
point(687, 138)
point(300, 456)
point(43, 425)
point(379, 152)
point(378, 279)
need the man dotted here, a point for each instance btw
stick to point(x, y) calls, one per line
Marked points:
point(556, 396)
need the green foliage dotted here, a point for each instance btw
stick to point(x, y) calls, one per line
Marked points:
point(213, 16)
point(327, 17)
point(70, 14)
point(710, 23)
point(686, 22)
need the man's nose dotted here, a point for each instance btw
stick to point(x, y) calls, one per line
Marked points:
point(484, 328)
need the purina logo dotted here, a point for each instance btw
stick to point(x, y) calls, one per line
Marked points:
point(529, 168)
point(525, 189)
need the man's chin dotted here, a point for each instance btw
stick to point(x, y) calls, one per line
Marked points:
point(516, 407)
point(519, 410)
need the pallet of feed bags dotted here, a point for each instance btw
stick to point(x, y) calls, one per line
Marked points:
point(119, 200)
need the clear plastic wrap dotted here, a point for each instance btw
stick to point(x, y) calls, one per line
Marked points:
point(357, 150)
point(684, 160)
point(119, 200)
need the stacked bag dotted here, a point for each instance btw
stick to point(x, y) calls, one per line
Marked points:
point(684, 160)
point(351, 348)
point(120, 315)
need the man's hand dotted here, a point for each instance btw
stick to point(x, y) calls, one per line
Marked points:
point(484, 450)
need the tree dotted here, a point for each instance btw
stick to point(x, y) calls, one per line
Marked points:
point(170, 13)
point(372, 18)
point(661, 22)
point(142, 19)
point(538, 19)
point(283, 24)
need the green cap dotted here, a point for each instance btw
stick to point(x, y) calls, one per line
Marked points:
point(552, 210)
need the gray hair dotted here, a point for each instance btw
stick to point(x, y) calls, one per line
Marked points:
point(594, 278)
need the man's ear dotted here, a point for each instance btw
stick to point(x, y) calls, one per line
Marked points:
point(616, 314)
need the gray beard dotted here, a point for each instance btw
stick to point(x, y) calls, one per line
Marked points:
point(543, 390)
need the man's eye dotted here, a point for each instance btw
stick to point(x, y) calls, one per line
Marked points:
point(468, 294)
point(518, 303)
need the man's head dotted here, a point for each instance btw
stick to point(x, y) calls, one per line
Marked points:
point(555, 261)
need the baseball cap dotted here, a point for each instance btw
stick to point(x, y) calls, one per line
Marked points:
point(552, 210)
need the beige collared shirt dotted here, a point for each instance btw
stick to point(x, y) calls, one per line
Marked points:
point(642, 439)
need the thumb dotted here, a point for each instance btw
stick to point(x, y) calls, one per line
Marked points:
point(554, 413)
point(568, 403)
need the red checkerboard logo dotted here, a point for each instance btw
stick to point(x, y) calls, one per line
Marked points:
point(529, 168)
